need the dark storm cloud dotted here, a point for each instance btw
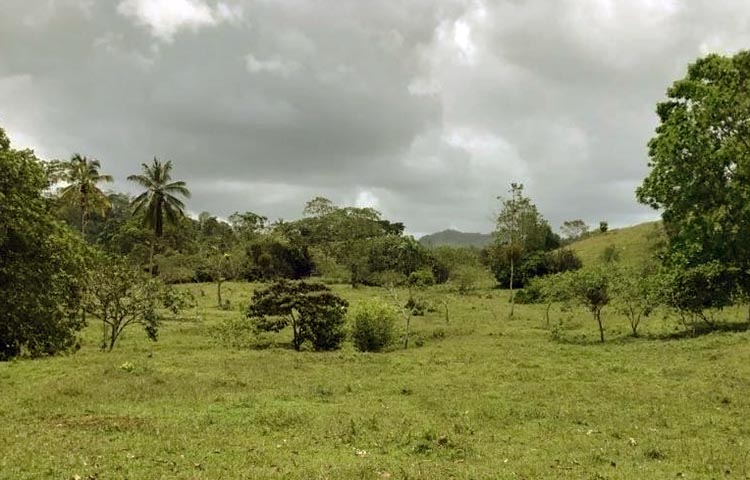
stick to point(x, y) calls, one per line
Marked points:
point(425, 110)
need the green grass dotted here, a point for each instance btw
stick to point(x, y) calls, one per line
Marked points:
point(482, 397)
point(635, 245)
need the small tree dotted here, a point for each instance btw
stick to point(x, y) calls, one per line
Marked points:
point(637, 293)
point(314, 312)
point(223, 266)
point(552, 289)
point(122, 295)
point(590, 287)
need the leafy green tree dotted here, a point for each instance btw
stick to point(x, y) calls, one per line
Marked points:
point(248, 225)
point(82, 175)
point(41, 262)
point(591, 288)
point(637, 293)
point(700, 171)
point(520, 229)
point(160, 200)
point(314, 312)
point(121, 295)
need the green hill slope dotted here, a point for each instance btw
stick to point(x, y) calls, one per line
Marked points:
point(634, 245)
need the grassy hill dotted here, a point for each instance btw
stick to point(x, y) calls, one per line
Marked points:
point(634, 245)
point(455, 238)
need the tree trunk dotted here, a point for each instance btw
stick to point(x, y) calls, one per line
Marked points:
point(598, 316)
point(447, 318)
point(112, 338)
point(218, 293)
point(512, 299)
point(406, 332)
point(546, 313)
point(151, 260)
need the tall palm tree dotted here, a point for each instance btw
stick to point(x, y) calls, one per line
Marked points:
point(160, 198)
point(82, 175)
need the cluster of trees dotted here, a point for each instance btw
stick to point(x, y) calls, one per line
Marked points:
point(69, 249)
point(525, 246)
point(126, 248)
point(700, 180)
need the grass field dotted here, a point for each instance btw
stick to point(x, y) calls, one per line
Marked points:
point(483, 396)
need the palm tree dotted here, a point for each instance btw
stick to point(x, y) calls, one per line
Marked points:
point(160, 198)
point(83, 176)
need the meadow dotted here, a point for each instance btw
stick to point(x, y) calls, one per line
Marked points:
point(479, 396)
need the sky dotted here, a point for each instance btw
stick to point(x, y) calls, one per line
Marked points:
point(425, 110)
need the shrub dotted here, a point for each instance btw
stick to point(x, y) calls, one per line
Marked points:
point(373, 325)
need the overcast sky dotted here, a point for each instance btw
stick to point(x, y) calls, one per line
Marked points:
point(425, 110)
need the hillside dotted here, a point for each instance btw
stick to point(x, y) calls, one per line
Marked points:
point(456, 239)
point(634, 245)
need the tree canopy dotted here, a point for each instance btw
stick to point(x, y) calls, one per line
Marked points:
point(700, 166)
point(42, 264)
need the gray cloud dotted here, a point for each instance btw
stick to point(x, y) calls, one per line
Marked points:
point(426, 110)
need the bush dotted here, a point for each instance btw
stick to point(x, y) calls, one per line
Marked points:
point(373, 325)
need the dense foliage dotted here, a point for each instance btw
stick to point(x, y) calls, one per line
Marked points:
point(314, 313)
point(42, 263)
point(373, 325)
point(700, 179)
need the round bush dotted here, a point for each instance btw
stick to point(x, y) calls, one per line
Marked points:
point(373, 325)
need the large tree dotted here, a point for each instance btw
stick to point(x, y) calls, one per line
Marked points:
point(700, 167)
point(82, 175)
point(160, 200)
point(42, 262)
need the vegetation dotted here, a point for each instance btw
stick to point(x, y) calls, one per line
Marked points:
point(121, 296)
point(467, 396)
point(42, 263)
point(313, 312)
point(82, 175)
point(373, 325)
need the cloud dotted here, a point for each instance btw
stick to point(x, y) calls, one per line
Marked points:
point(272, 65)
point(426, 109)
point(166, 18)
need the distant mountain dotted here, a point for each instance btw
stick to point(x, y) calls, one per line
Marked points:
point(455, 238)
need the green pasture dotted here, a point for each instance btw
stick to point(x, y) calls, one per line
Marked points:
point(478, 396)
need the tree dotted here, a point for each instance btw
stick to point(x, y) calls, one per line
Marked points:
point(314, 312)
point(160, 200)
point(637, 293)
point(520, 229)
point(121, 295)
point(700, 169)
point(590, 287)
point(82, 175)
point(223, 266)
point(574, 229)
point(41, 263)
